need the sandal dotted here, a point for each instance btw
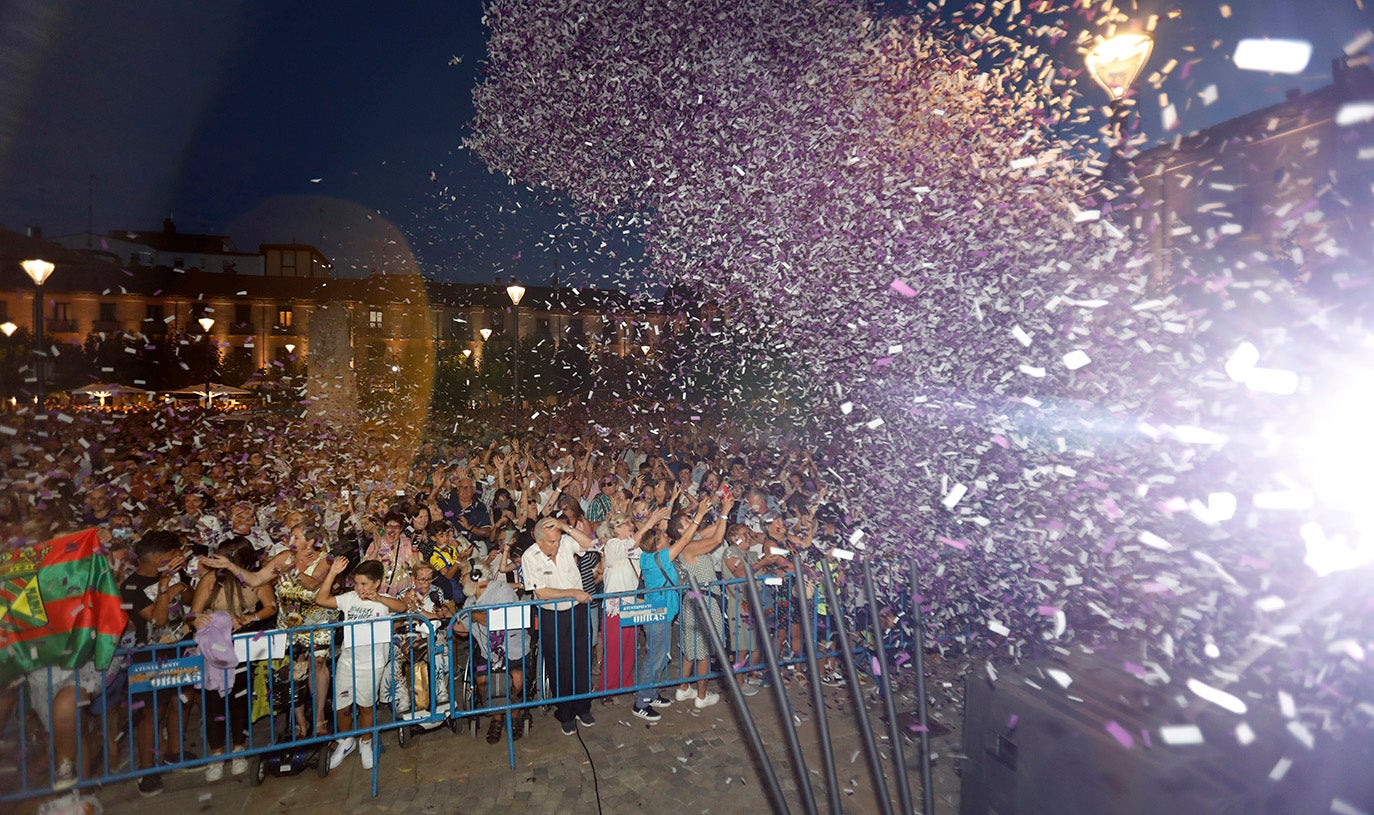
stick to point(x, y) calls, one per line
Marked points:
point(498, 724)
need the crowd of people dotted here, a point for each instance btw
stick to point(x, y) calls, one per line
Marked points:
point(215, 526)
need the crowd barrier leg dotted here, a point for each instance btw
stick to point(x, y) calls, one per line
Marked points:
point(832, 786)
point(770, 776)
point(784, 704)
point(852, 679)
point(918, 656)
point(885, 691)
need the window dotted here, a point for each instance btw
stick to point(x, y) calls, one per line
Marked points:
point(374, 318)
point(543, 329)
point(62, 312)
point(107, 313)
point(576, 328)
point(153, 313)
point(4, 310)
point(285, 316)
point(243, 315)
point(288, 264)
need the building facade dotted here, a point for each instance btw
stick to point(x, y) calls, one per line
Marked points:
point(1288, 189)
point(264, 319)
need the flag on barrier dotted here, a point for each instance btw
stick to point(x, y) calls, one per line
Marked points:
point(59, 606)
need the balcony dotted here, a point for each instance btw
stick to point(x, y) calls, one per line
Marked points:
point(60, 326)
point(284, 330)
point(241, 329)
point(107, 326)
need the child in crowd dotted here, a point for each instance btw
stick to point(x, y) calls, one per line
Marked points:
point(362, 658)
point(153, 595)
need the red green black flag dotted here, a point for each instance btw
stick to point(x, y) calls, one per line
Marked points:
point(59, 606)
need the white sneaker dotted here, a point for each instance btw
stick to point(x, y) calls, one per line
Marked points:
point(709, 699)
point(214, 772)
point(685, 694)
point(343, 748)
point(65, 778)
point(365, 753)
point(238, 766)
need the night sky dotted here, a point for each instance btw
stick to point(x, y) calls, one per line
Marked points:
point(340, 124)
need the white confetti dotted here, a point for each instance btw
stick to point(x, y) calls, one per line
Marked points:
point(1176, 735)
point(1218, 697)
point(1076, 359)
point(1272, 56)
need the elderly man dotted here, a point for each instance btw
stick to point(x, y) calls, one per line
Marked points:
point(462, 508)
point(565, 637)
point(243, 522)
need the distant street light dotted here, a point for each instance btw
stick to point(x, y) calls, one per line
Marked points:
point(1114, 64)
point(486, 334)
point(515, 291)
point(206, 323)
point(9, 328)
point(38, 271)
point(290, 348)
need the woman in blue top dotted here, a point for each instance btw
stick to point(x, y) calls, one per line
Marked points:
point(660, 582)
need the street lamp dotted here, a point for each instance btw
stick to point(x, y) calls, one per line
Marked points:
point(38, 271)
point(206, 323)
point(515, 291)
point(1114, 64)
point(9, 328)
point(486, 334)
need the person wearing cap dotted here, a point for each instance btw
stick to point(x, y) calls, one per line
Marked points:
point(550, 571)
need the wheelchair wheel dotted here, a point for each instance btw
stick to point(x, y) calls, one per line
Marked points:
point(322, 760)
point(257, 770)
point(404, 736)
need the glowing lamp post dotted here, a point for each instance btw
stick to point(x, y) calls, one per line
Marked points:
point(515, 291)
point(1114, 64)
point(9, 328)
point(38, 271)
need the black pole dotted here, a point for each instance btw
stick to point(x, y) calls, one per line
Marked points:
point(784, 705)
point(851, 676)
point(518, 412)
point(39, 356)
point(919, 658)
point(832, 786)
point(770, 777)
point(894, 729)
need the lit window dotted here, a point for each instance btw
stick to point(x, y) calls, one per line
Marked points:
point(374, 319)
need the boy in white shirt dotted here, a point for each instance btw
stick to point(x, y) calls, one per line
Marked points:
point(359, 668)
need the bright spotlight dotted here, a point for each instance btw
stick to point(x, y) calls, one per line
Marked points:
point(1334, 459)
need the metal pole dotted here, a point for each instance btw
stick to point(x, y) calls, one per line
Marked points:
point(832, 786)
point(784, 705)
point(919, 658)
point(851, 675)
point(516, 346)
point(751, 730)
point(38, 356)
point(894, 730)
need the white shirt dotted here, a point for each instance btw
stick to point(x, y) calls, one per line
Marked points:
point(369, 641)
point(558, 572)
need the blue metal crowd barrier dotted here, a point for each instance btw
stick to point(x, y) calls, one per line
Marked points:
point(168, 707)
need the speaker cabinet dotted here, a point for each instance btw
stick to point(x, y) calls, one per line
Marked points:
point(1034, 747)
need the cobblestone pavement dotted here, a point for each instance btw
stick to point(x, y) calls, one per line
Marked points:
point(693, 761)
